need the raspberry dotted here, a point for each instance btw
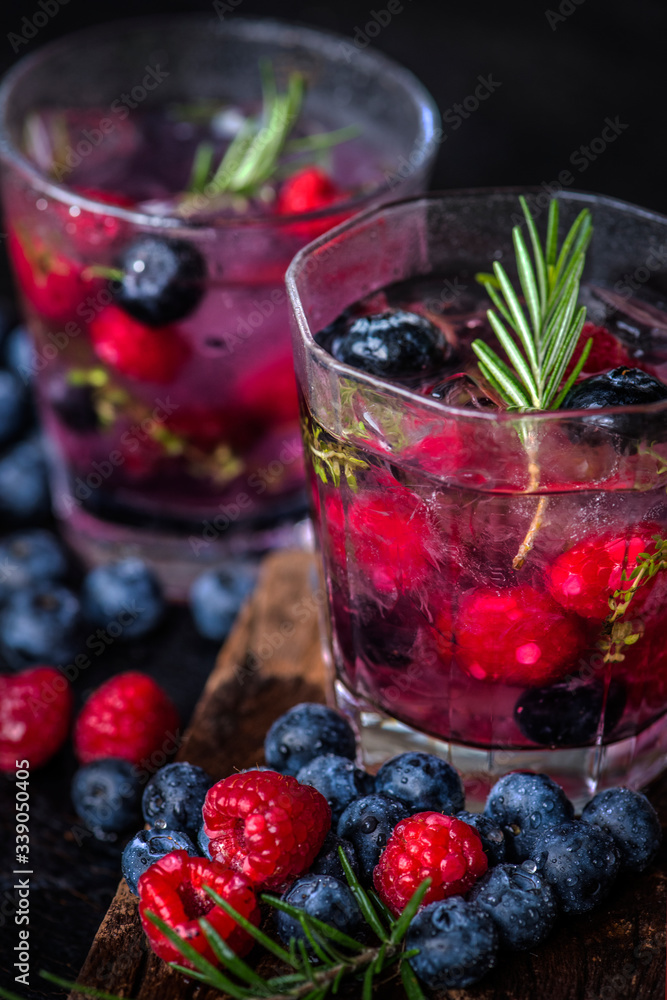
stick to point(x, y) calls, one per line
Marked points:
point(586, 576)
point(145, 353)
point(35, 713)
point(172, 888)
point(517, 635)
point(266, 825)
point(606, 351)
point(390, 534)
point(52, 283)
point(310, 190)
point(129, 716)
point(429, 845)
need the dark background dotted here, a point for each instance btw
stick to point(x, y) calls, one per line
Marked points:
point(564, 67)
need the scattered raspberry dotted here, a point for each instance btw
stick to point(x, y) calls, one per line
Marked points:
point(35, 713)
point(518, 635)
point(51, 282)
point(129, 716)
point(266, 825)
point(390, 534)
point(606, 352)
point(172, 888)
point(429, 845)
point(149, 354)
point(586, 576)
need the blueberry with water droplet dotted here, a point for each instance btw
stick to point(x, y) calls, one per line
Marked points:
point(632, 823)
point(520, 902)
point(580, 861)
point(396, 344)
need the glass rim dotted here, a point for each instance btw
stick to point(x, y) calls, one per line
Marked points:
point(299, 262)
point(269, 29)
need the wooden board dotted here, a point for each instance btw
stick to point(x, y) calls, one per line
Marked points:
point(271, 661)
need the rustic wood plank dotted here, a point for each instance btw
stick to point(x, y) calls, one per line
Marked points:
point(271, 661)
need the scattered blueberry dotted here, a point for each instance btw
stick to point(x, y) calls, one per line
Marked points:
point(394, 344)
point(328, 860)
point(163, 280)
point(40, 624)
point(368, 823)
point(423, 782)
point(620, 387)
point(338, 779)
point(457, 944)
point(580, 862)
point(322, 897)
point(216, 597)
point(122, 590)
point(491, 835)
point(306, 731)
point(203, 842)
point(14, 406)
point(106, 794)
point(520, 902)
point(20, 354)
point(523, 805)
point(147, 847)
point(174, 796)
point(24, 488)
point(29, 557)
point(567, 713)
point(631, 822)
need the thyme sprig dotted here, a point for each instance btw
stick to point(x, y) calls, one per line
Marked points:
point(619, 633)
point(314, 971)
point(541, 343)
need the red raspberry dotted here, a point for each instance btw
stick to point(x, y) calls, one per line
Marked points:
point(149, 354)
point(392, 533)
point(172, 888)
point(51, 282)
point(606, 352)
point(129, 716)
point(270, 395)
point(586, 576)
point(518, 635)
point(266, 825)
point(310, 190)
point(429, 845)
point(35, 713)
point(89, 229)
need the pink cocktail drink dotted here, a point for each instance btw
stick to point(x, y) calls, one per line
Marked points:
point(149, 233)
point(496, 579)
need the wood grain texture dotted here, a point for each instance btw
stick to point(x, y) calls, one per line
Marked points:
point(270, 662)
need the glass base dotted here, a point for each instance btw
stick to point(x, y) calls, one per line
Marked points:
point(173, 557)
point(581, 771)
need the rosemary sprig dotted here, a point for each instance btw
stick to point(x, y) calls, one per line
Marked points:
point(547, 336)
point(339, 956)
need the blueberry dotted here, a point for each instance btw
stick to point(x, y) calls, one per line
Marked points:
point(523, 805)
point(147, 847)
point(174, 796)
point(20, 354)
point(163, 280)
point(423, 782)
point(306, 731)
point(106, 794)
point(29, 557)
point(392, 344)
point(204, 842)
point(328, 860)
point(457, 944)
point(122, 590)
point(620, 387)
point(368, 823)
point(216, 597)
point(14, 406)
point(631, 822)
point(386, 637)
point(322, 897)
point(520, 902)
point(580, 862)
point(24, 488)
point(338, 780)
point(74, 405)
point(491, 835)
point(568, 713)
point(40, 624)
